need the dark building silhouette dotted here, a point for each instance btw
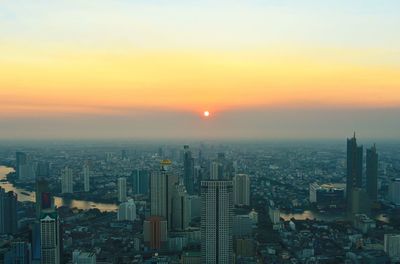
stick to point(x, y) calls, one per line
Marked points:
point(8, 212)
point(141, 181)
point(354, 168)
point(43, 170)
point(372, 173)
point(43, 197)
point(188, 170)
point(19, 253)
point(21, 159)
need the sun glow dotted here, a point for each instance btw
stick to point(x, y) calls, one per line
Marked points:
point(206, 114)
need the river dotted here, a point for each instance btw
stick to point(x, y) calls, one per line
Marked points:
point(27, 196)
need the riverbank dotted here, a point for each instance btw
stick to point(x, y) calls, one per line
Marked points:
point(83, 196)
point(28, 195)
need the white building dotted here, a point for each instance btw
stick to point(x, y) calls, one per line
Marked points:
point(217, 221)
point(79, 257)
point(121, 190)
point(86, 177)
point(67, 183)
point(241, 187)
point(50, 238)
point(394, 191)
point(392, 246)
point(127, 211)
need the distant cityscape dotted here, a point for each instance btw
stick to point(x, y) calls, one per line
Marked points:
point(244, 202)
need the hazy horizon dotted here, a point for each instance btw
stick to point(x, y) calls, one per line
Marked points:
point(256, 124)
point(264, 69)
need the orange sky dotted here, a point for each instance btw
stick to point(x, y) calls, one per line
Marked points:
point(102, 82)
point(80, 58)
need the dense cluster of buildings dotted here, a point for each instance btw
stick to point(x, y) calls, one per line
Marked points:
point(224, 204)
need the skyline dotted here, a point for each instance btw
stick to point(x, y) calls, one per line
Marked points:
point(95, 69)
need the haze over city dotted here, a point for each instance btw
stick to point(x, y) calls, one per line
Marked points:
point(264, 69)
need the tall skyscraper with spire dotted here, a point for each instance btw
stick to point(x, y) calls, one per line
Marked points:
point(372, 173)
point(354, 168)
point(216, 221)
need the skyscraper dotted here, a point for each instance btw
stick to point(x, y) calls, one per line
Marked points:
point(8, 212)
point(216, 221)
point(181, 208)
point(86, 176)
point(155, 234)
point(161, 191)
point(216, 170)
point(188, 170)
point(141, 181)
point(19, 253)
point(50, 237)
point(43, 170)
point(21, 159)
point(67, 184)
point(121, 189)
point(372, 173)
point(127, 211)
point(25, 168)
point(43, 198)
point(354, 168)
point(394, 191)
point(241, 187)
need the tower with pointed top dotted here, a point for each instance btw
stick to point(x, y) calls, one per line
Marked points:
point(354, 168)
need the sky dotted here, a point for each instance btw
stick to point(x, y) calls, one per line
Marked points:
point(148, 69)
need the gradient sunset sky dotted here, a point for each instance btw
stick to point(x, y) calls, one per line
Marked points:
point(148, 69)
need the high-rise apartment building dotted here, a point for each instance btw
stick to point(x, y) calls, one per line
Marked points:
point(188, 170)
point(127, 211)
point(67, 183)
point(8, 212)
point(216, 221)
point(162, 184)
point(155, 232)
point(241, 189)
point(181, 208)
point(141, 181)
point(86, 176)
point(394, 191)
point(121, 190)
point(49, 237)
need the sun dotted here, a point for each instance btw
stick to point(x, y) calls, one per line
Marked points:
point(206, 113)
